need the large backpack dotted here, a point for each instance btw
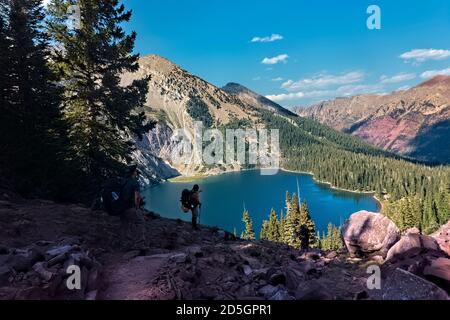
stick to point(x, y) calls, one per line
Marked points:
point(111, 201)
point(186, 200)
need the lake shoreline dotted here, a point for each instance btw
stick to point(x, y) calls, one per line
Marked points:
point(184, 179)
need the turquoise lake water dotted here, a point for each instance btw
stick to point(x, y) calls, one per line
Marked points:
point(224, 197)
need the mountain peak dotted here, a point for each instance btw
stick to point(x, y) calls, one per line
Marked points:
point(253, 98)
point(437, 80)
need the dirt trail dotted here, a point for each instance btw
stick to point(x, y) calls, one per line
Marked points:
point(130, 279)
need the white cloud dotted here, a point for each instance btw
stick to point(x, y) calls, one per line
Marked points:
point(46, 2)
point(275, 60)
point(421, 55)
point(256, 78)
point(342, 91)
point(402, 88)
point(277, 79)
point(285, 96)
point(323, 81)
point(272, 38)
point(351, 90)
point(433, 73)
point(397, 78)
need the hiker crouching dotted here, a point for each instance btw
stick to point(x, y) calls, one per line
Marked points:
point(132, 218)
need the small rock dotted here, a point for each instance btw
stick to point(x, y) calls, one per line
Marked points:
point(59, 250)
point(179, 258)
point(281, 295)
point(331, 255)
point(92, 295)
point(377, 259)
point(278, 278)
point(267, 291)
point(293, 278)
point(247, 269)
point(362, 295)
point(57, 259)
point(312, 255)
point(413, 230)
point(40, 269)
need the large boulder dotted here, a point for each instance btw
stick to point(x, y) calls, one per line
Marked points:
point(411, 244)
point(442, 237)
point(403, 285)
point(368, 233)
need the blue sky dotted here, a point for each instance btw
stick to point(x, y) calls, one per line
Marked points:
point(302, 51)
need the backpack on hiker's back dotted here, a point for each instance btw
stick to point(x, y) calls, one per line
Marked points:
point(112, 203)
point(185, 200)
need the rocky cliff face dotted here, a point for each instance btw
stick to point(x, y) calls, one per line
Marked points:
point(413, 122)
point(172, 92)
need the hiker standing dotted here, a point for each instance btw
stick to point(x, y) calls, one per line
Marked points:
point(304, 237)
point(195, 205)
point(132, 219)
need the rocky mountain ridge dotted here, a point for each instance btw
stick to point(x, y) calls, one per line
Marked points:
point(413, 122)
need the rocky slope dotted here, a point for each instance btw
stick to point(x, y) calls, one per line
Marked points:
point(173, 92)
point(40, 239)
point(413, 122)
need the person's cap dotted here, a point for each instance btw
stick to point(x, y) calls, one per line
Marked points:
point(196, 188)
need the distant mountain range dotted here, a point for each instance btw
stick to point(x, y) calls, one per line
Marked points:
point(413, 122)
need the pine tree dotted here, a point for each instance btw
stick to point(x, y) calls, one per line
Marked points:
point(416, 208)
point(31, 131)
point(305, 220)
point(288, 202)
point(332, 240)
point(409, 218)
point(430, 221)
point(273, 227)
point(264, 233)
point(100, 110)
point(443, 205)
point(282, 228)
point(249, 233)
point(292, 224)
